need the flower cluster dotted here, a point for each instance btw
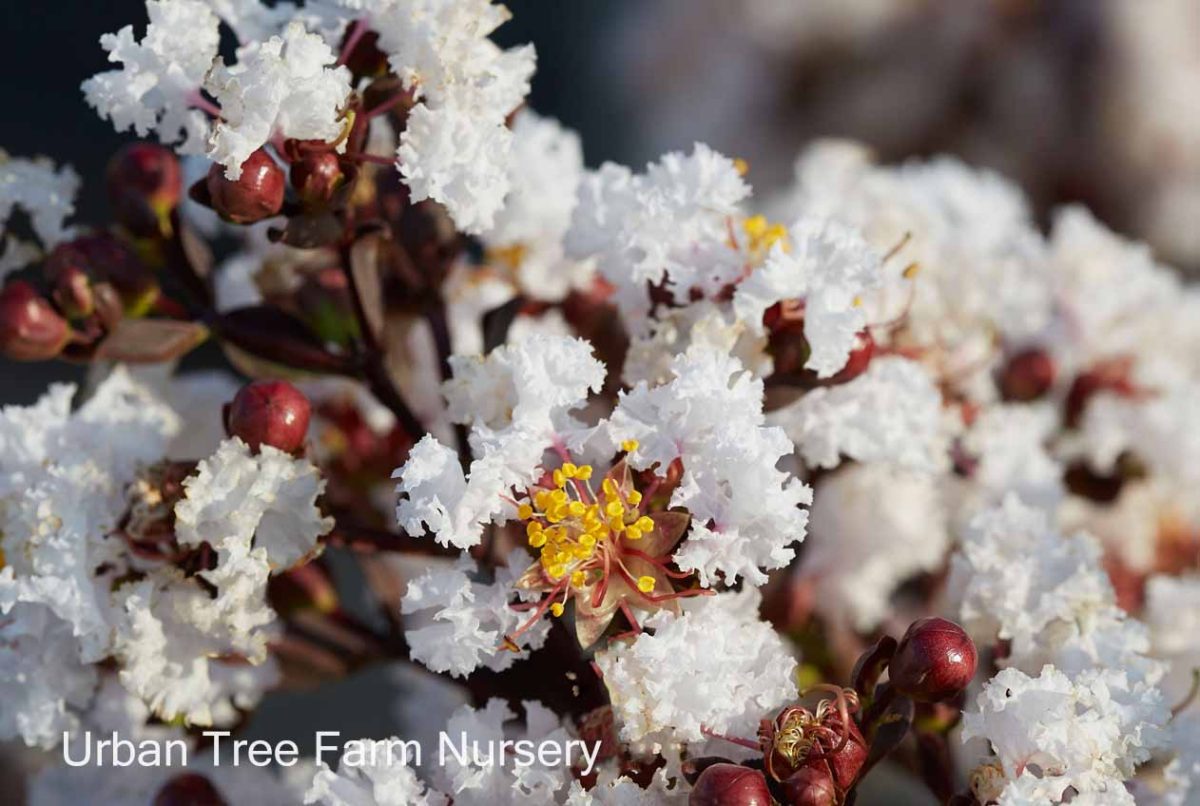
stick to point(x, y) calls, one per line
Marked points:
point(664, 463)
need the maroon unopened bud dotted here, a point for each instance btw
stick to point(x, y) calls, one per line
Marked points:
point(316, 175)
point(30, 328)
point(73, 293)
point(1114, 376)
point(1027, 375)
point(934, 661)
point(255, 195)
point(189, 789)
point(730, 785)
point(271, 413)
point(103, 257)
point(810, 786)
point(144, 186)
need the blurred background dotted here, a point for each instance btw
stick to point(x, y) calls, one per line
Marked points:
point(1095, 101)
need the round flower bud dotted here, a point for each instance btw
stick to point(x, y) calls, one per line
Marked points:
point(1027, 375)
point(810, 785)
point(104, 257)
point(30, 328)
point(315, 176)
point(73, 293)
point(934, 660)
point(255, 195)
point(144, 185)
point(730, 785)
point(189, 789)
point(269, 413)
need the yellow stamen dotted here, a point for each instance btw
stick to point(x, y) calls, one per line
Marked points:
point(741, 166)
point(556, 609)
point(524, 512)
point(645, 584)
point(584, 472)
point(635, 497)
point(629, 445)
point(633, 532)
point(577, 579)
point(645, 523)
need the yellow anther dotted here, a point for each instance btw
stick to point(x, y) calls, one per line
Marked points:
point(576, 509)
point(629, 445)
point(645, 584)
point(755, 226)
point(741, 166)
point(560, 478)
point(584, 472)
point(556, 609)
point(614, 509)
point(532, 528)
point(635, 497)
point(645, 523)
point(542, 499)
point(911, 271)
point(557, 570)
point(587, 540)
point(616, 524)
point(569, 470)
point(610, 488)
point(524, 512)
point(537, 539)
point(558, 496)
point(633, 532)
point(577, 579)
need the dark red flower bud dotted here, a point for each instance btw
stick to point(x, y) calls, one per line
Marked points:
point(1027, 375)
point(811, 786)
point(269, 413)
point(859, 360)
point(934, 661)
point(189, 789)
point(316, 175)
point(73, 293)
point(105, 258)
point(730, 785)
point(144, 186)
point(30, 328)
point(255, 195)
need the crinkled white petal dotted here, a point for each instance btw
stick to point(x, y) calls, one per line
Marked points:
point(44, 193)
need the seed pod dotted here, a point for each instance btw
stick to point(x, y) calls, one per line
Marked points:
point(811, 785)
point(1027, 376)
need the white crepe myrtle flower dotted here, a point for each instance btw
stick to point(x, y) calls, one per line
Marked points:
point(1172, 614)
point(830, 267)
point(236, 498)
point(490, 781)
point(891, 413)
point(466, 622)
point(746, 513)
point(160, 77)
point(467, 86)
point(517, 401)
point(385, 779)
point(669, 224)
point(715, 667)
point(1018, 579)
point(526, 237)
point(286, 85)
point(44, 684)
point(63, 478)
point(1089, 733)
point(871, 528)
point(613, 789)
point(43, 192)
point(1182, 774)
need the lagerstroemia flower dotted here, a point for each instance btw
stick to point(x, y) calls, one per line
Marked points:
point(517, 401)
point(746, 513)
point(160, 76)
point(831, 267)
point(715, 667)
point(286, 85)
point(45, 193)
